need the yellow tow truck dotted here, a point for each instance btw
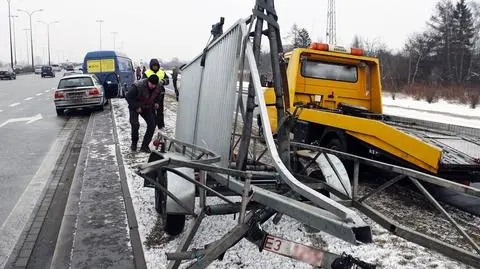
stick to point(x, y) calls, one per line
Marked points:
point(339, 95)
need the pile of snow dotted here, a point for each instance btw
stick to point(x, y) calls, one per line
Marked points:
point(388, 251)
point(440, 111)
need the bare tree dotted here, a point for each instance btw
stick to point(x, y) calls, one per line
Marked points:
point(417, 47)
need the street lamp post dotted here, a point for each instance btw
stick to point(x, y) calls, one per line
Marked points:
point(14, 40)
point(100, 23)
point(26, 36)
point(10, 29)
point(31, 31)
point(48, 37)
point(114, 39)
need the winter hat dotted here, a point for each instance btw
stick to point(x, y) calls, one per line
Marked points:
point(153, 79)
point(154, 62)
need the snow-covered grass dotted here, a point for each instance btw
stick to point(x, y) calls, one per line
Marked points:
point(388, 251)
point(440, 111)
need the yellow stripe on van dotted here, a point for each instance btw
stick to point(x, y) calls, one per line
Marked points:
point(108, 65)
point(99, 66)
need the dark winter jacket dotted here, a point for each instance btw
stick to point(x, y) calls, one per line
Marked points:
point(139, 95)
point(164, 80)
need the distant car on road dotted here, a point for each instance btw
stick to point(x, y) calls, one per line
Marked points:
point(47, 71)
point(7, 73)
point(79, 91)
point(38, 69)
point(56, 68)
point(70, 68)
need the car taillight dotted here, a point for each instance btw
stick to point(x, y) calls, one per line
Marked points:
point(94, 91)
point(59, 95)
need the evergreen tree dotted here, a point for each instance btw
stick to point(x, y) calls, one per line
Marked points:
point(357, 42)
point(442, 26)
point(303, 39)
point(463, 40)
point(299, 37)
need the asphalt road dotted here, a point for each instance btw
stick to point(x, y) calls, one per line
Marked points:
point(28, 128)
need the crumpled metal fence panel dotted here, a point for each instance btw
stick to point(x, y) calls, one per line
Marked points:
point(187, 107)
point(206, 110)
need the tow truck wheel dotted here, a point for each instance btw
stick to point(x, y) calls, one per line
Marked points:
point(174, 224)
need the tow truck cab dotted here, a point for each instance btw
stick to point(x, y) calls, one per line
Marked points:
point(339, 95)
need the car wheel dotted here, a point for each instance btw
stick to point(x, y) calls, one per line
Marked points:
point(60, 112)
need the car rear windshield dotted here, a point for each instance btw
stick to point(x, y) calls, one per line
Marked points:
point(75, 82)
point(329, 71)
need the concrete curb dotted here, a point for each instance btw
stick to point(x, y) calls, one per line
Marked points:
point(62, 255)
point(138, 254)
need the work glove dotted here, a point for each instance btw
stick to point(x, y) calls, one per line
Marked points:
point(164, 81)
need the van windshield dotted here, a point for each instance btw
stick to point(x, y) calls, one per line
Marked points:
point(75, 82)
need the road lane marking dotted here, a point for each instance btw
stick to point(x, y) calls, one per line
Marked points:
point(40, 93)
point(47, 90)
point(14, 104)
point(27, 119)
point(1, 110)
point(28, 98)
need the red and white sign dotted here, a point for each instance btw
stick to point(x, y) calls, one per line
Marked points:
point(293, 250)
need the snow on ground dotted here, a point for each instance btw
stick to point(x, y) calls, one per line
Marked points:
point(440, 111)
point(388, 251)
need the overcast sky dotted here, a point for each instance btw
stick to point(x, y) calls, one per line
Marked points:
point(180, 28)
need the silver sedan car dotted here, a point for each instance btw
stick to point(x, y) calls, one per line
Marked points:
point(79, 91)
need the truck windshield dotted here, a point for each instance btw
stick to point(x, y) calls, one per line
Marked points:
point(329, 71)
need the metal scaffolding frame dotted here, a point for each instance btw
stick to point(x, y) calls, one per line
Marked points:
point(215, 124)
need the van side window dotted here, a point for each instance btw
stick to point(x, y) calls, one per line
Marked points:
point(124, 65)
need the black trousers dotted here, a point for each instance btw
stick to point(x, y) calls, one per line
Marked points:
point(175, 87)
point(149, 117)
point(159, 118)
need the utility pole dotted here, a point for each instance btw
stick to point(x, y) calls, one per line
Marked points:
point(114, 39)
point(48, 37)
point(10, 29)
point(14, 40)
point(31, 32)
point(331, 23)
point(100, 24)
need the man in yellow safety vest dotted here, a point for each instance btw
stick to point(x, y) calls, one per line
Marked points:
point(162, 81)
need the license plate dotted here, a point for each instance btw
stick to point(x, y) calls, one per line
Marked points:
point(293, 250)
point(77, 95)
